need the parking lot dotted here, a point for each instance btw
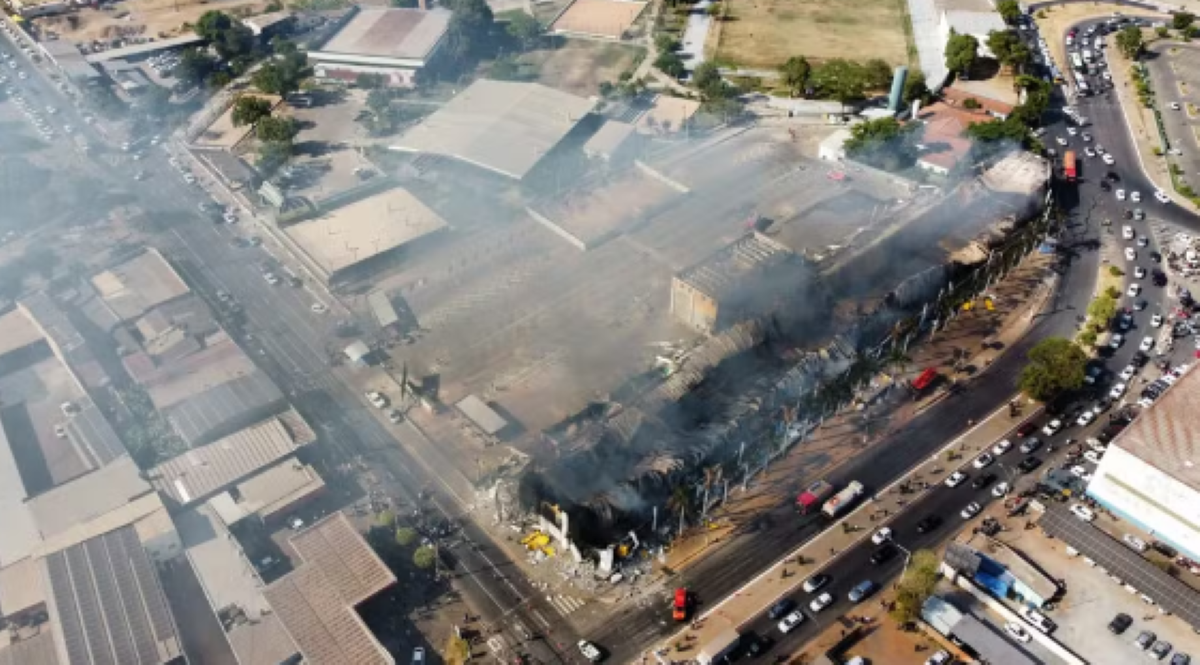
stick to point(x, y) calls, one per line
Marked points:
point(1093, 598)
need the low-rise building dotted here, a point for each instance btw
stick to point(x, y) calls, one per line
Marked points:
point(392, 42)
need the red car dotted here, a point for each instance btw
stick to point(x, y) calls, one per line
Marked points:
point(680, 612)
point(1026, 429)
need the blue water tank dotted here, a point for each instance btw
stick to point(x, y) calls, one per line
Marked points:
point(899, 76)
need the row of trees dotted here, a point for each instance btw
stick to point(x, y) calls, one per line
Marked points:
point(277, 134)
point(844, 80)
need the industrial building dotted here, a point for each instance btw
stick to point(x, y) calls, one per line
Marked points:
point(355, 238)
point(977, 637)
point(750, 277)
point(35, 8)
point(505, 127)
point(1002, 571)
point(394, 43)
point(1150, 475)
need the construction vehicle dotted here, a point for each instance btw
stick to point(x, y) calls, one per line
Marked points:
point(812, 497)
point(843, 499)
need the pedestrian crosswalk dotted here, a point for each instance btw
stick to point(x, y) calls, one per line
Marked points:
point(565, 604)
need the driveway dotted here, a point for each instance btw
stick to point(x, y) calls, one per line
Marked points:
point(695, 35)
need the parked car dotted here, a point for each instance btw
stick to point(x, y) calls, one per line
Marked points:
point(881, 536)
point(1001, 447)
point(1082, 512)
point(790, 621)
point(983, 461)
point(971, 510)
point(1016, 632)
point(1120, 624)
point(816, 582)
point(956, 479)
point(929, 523)
point(861, 590)
point(1145, 640)
point(781, 608)
point(820, 602)
point(1031, 444)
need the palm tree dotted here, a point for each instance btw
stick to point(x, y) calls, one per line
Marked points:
point(897, 358)
point(680, 500)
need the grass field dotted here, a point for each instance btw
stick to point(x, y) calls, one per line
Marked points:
point(765, 33)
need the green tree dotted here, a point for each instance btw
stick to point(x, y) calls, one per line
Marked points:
point(277, 130)
point(1102, 310)
point(961, 52)
point(525, 29)
point(274, 79)
point(707, 79)
point(194, 66)
point(369, 81)
point(212, 23)
point(1009, 10)
point(1088, 337)
point(1008, 48)
point(840, 79)
point(379, 101)
point(877, 73)
point(666, 42)
point(1162, 32)
point(226, 34)
point(249, 109)
point(404, 4)
point(272, 155)
point(670, 64)
point(1055, 365)
point(1129, 40)
point(1181, 20)
point(715, 10)
point(883, 143)
point(405, 536)
point(424, 557)
point(469, 33)
point(970, 103)
point(916, 585)
point(385, 519)
point(795, 73)
point(915, 88)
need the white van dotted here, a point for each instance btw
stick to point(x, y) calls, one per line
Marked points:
point(1133, 541)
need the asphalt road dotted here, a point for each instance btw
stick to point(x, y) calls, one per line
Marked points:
point(288, 340)
point(781, 530)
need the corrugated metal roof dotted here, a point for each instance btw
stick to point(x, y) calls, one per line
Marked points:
point(213, 411)
point(481, 414)
point(201, 472)
point(388, 33)
point(107, 605)
point(503, 126)
point(36, 650)
point(990, 644)
point(88, 497)
point(1167, 434)
point(135, 286)
point(724, 271)
point(348, 562)
point(328, 631)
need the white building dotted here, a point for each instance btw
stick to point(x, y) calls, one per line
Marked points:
point(396, 43)
point(1150, 475)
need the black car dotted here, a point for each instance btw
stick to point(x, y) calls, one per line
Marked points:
point(756, 645)
point(884, 553)
point(929, 523)
point(1112, 176)
point(1140, 359)
point(1156, 257)
point(983, 481)
point(1120, 624)
point(1107, 187)
point(781, 608)
point(1029, 464)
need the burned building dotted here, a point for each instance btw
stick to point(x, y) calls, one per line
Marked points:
point(751, 277)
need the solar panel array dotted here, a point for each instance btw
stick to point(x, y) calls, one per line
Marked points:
point(109, 604)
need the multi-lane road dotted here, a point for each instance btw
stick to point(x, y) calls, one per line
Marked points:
point(291, 342)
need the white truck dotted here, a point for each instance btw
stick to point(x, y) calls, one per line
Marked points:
point(840, 502)
point(719, 647)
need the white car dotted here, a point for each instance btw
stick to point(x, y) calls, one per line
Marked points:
point(376, 399)
point(957, 478)
point(1000, 490)
point(1135, 196)
point(1127, 373)
point(1139, 272)
point(1134, 542)
point(1143, 241)
point(1001, 447)
point(1052, 427)
point(971, 510)
point(1161, 196)
point(1016, 632)
point(1088, 152)
point(1108, 159)
point(1147, 344)
point(1085, 419)
point(319, 308)
point(1120, 195)
point(1133, 290)
point(1082, 512)
point(1093, 456)
point(1174, 106)
point(1156, 321)
point(1086, 137)
point(820, 602)
point(1130, 254)
point(1127, 232)
point(790, 621)
point(1116, 341)
point(1060, 140)
point(982, 461)
point(1071, 131)
point(1082, 473)
point(1118, 391)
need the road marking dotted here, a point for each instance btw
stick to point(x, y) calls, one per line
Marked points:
point(565, 604)
point(540, 619)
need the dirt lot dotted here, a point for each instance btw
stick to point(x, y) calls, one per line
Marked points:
point(579, 65)
point(765, 33)
point(150, 18)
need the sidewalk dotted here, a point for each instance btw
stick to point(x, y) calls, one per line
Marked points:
point(1033, 279)
point(1018, 298)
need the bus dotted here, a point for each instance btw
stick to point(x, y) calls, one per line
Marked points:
point(1069, 171)
point(1076, 61)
